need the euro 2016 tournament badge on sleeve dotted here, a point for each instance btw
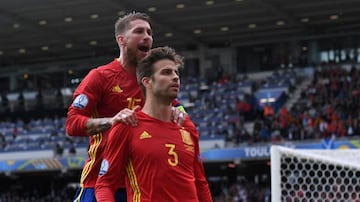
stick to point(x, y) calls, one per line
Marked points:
point(104, 167)
point(80, 101)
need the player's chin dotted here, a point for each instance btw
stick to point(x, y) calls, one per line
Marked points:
point(174, 90)
point(173, 95)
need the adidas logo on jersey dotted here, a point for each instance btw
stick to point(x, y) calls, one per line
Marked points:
point(117, 89)
point(145, 135)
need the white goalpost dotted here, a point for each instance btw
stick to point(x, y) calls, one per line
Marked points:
point(304, 175)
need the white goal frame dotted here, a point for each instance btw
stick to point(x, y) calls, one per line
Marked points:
point(344, 158)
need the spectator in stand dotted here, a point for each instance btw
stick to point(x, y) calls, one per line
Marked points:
point(2, 141)
point(58, 150)
point(72, 149)
point(269, 111)
point(15, 132)
point(243, 108)
point(39, 100)
point(59, 99)
point(21, 102)
point(5, 102)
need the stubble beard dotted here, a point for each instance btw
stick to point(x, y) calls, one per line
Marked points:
point(131, 57)
point(166, 95)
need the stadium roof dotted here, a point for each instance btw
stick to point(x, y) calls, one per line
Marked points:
point(35, 31)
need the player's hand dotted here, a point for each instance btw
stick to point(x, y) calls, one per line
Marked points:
point(178, 116)
point(126, 116)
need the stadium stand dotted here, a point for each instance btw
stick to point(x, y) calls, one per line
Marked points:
point(258, 73)
point(219, 109)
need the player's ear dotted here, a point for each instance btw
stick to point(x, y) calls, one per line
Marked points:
point(120, 39)
point(146, 81)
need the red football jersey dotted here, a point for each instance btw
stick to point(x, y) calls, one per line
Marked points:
point(161, 160)
point(103, 93)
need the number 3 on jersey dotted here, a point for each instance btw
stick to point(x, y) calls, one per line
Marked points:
point(174, 159)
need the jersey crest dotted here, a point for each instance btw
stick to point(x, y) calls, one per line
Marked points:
point(185, 135)
point(188, 142)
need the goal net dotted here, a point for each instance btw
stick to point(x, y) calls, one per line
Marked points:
point(302, 175)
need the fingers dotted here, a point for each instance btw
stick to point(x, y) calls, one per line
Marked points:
point(174, 114)
point(181, 119)
point(178, 116)
point(136, 108)
point(131, 118)
point(127, 116)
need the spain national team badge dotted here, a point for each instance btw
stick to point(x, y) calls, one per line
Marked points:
point(185, 135)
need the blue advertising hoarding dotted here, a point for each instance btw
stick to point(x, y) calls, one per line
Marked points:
point(263, 151)
point(260, 152)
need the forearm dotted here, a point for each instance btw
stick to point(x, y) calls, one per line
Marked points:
point(76, 124)
point(98, 125)
point(104, 193)
point(203, 191)
point(202, 185)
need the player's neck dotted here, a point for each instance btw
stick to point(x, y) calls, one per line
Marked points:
point(126, 65)
point(158, 110)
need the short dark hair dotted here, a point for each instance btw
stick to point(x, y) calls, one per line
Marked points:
point(146, 65)
point(122, 24)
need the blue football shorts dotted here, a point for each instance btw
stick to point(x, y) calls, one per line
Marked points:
point(88, 195)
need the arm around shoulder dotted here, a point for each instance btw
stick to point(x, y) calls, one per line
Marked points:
point(86, 97)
